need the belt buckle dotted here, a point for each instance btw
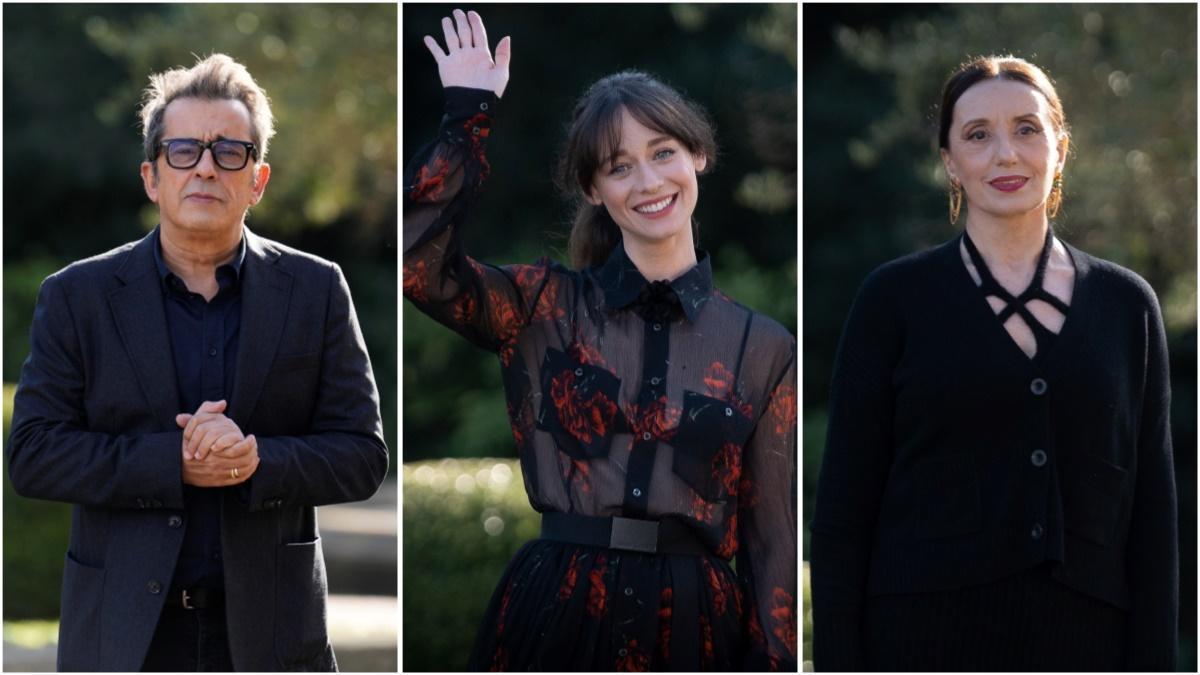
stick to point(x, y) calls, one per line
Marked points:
point(185, 600)
point(634, 534)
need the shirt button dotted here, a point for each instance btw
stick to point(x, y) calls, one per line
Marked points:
point(579, 372)
point(212, 351)
point(645, 435)
point(483, 106)
point(655, 380)
point(729, 412)
point(622, 652)
point(174, 522)
point(475, 130)
point(657, 326)
point(1038, 386)
point(1038, 457)
point(637, 492)
point(1036, 532)
point(154, 587)
point(628, 591)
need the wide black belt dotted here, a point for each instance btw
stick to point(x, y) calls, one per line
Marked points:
point(196, 598)
point(669, 537)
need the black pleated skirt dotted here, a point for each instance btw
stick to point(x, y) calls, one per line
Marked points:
point(1025, 622)
point(568, 607)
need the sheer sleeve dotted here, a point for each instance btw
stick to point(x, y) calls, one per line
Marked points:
point(853, 473)
point(1153, 551)
point(767, 528)
point(486, 304)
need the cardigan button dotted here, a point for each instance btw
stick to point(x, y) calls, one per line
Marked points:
point(1038, 457)
point(1038, 386)
point(637, 492)
point(1037, 531)
point(646, 436)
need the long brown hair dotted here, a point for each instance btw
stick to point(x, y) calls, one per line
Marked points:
point(594, 137)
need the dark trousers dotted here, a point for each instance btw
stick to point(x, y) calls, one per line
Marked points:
point(189, 640)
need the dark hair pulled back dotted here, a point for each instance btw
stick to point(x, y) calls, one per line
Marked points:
point(594, 137)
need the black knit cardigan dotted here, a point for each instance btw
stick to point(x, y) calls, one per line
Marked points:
point(953, 459)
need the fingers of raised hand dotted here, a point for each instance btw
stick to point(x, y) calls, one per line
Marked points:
point(452, 43)
point(464, 29)
point(435, 49)
point(504, 55)
point(478, 32)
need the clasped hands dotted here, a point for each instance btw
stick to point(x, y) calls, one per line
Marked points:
point(215, 452)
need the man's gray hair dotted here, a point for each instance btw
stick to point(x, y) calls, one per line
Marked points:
point(215, 78)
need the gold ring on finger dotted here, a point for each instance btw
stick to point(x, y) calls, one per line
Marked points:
point(233, 473)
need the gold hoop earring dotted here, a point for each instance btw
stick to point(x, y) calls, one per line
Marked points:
point(956, 197)
point(1054, 201)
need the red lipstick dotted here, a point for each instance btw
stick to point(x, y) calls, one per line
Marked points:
point(1008, 183)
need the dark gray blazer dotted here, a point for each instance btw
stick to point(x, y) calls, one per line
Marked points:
point(94, 424)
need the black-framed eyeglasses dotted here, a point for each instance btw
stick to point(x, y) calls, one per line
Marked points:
point(185, 153)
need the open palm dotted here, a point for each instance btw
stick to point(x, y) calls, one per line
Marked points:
point(467, 61)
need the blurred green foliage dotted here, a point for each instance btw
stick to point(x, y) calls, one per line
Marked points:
point(463, 520)
point(875, 187)
point(737, 60)
point(73, 76)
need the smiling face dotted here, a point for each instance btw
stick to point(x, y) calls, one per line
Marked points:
point(1004, 149)
point(649, 188)
point(204, 200)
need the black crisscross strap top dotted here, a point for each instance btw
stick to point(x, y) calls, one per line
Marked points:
point(1017, 305)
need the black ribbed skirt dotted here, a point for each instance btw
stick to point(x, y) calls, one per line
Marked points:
point(567, 607)
point(1025, 622)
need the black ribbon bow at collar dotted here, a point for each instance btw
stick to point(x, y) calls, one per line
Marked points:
point(657, 302)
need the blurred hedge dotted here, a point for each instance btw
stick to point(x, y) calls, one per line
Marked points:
point(463, 521)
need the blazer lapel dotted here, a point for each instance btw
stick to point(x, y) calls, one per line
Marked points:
point(266, 292)
point(137, 308)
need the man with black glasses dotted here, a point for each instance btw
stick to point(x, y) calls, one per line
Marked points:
point(196, 394)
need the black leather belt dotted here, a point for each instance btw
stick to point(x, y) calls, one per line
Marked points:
point(196, 598)
point(668, 536)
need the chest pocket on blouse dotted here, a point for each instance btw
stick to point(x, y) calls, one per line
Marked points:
point(1093, 498)
point(949, 497)
point(579, 406)
point(708, 445)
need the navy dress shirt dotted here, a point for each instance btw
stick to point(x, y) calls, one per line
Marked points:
point(204, 336)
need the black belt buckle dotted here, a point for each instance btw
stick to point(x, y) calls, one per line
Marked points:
point(185, 600)
point(634, 534)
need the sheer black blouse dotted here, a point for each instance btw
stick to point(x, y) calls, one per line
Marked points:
point(625, 397)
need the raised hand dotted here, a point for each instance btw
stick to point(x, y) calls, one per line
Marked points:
point(469, 61)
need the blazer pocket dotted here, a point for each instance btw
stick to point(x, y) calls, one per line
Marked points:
point(579, 406)
point(80, 627)
point(949, 497)
point(300, 592)
point(708, 445)
point(1094, 499)
point(288, 363)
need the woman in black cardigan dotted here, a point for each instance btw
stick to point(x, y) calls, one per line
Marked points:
point(998, 490)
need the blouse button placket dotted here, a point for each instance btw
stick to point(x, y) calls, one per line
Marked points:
point(656, 345)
